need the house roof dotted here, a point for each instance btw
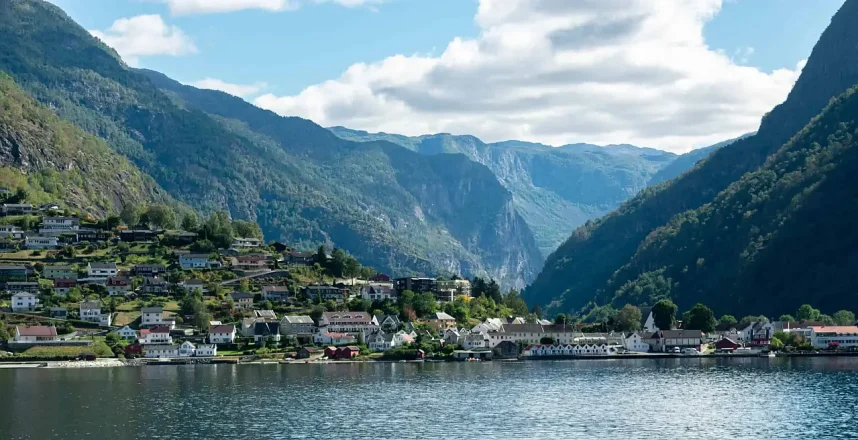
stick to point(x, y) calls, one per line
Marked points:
point(58, 309)
point(382, 318)
point(298, 319)
point(102, 265)
point(335, 317)
point(240, 295)
point(275, 289)
point(195, 257)
point(160, 329)
point(441, 316)
point(22, 294)
point(350, 347)
point(673, 334)
point(57, 267)
point(266, 328)
point(13, 268)
point(37, 330)
point(154, 281)
point(265, 314)
point(222, 329)
point(522, 328)
point(837, 329)
point(645, 311)
point(152, 310)
point(88, 305)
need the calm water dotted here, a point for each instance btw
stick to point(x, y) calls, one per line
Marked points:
point(651, 399)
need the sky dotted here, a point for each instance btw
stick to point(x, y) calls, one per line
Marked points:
point(668, 74)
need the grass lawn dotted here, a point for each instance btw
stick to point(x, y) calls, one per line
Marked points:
point(125, 318)
point(25, 254)
point(98, 347)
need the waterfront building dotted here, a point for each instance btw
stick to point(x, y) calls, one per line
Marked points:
point(842, 336)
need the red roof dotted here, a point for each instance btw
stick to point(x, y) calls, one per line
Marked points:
point(336, 335)
point(160, 329)
point(36, 330)
point(222, 329)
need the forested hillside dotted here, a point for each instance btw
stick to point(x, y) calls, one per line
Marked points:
point(582, 268)
point(54, 161)
point(301, 183)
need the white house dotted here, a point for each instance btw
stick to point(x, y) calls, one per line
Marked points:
point(475, 340)
point(378, 292)
point(101, 270)
point(127, 333)
point(348, 322)
point(333, 339)
point(222, 334)
point(11, 231)
point(247, 243)
point(206, 350)
point(24, 302)
point(161, 351)
point(634, 343)
point(156, 335)
point(59, 225)
point(197, 261)
point(40, 242)
point(118, 286)
point(36, 333)
point(843, 336)
point(187, 349)
point(90, 311)
point(648, 320)
point(154, 316)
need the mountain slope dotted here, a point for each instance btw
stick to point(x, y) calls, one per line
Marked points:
point(57, 162)
point(784, 232)
point(554, 189)
point(580, 268)
point(687, 161)
point(301, 183)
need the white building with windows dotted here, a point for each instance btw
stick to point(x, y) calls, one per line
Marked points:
point(101, 270)
point(842, 336)
point(59, 225)
point(41, 242)
point(24, 302)
point(634, 343)
point(90, 311)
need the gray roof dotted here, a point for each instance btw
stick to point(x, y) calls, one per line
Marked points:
point(298, 319)
point(161, 347)
point(681, 333)
point(523, 328)
point(241, 295)
point(152, 310)
point(102, 265)
point(90, 305)
point(443, 316)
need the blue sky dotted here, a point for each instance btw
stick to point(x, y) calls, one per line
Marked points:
point(285, 52)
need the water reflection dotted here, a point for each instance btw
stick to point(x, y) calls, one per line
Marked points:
point(668, 398)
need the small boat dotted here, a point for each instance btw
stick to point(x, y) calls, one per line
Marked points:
point(770, 354)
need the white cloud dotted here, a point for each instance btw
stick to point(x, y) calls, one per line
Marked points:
point(191, 7)
point(240, 90)
point(559, 71)
point(145, 35)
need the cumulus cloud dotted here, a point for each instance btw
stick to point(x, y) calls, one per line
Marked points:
point(240, 90)
point(557, 72)
point(145, 35)
point(192, 7)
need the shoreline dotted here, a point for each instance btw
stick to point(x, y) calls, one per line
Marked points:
point(115, 362)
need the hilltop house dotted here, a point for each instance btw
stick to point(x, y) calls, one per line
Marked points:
point(127, 333)
point(59, 225)
point(59, 313)
point(140, 235)
point(36, 333)
point(118, 286)
point(155, 286)
point(149, 269)
point(441, 321)
point(101, 270)
point(41, 242)
point(326, 293)
point(266, 331)
point(299, 258)
point(299, 326)
point(275, 293)
point(249, 262)
point(388, 323)
point(448, 290)
point(375, 292)
point(247, 243)
point(23, 286)
point(90, 311)
point(63, 285)
point(194, 285)
point(11, 231)
point(13, 273)
point(414, 284)
point(154, 316)
point(59, 272)
point(197, 261)
point(17, 209)
point(24, 302)
point(242, 300)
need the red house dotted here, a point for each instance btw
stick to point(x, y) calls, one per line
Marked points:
point(133, 350)
point(348, 352)
point(726, 344)
point(380, 277)
point(331, 352)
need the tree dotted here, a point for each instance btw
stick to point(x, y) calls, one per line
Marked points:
point(728, 320)
point(190, 222)
point(629, 319)
point(664, 314)
point(560, 319)
point(218, 229)
point(112, 222)
point(844, 317)
point(161, 216)
point(245, 229)
point(700, 318)
point(130, 215)
point(4, 334)
point(111, 339)
point(776, 344)
point(807, 313)
point(493, 291)
point(316, 313)
point(546, 340)
point(537, 310)
point(786, 318)
point(425, 304)
point(515, 303)
point(826, 319)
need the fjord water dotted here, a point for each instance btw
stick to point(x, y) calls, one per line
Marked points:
point(811, 398)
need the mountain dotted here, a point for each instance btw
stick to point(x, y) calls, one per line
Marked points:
point(392, 208)
point(598, 260)
point(687, 161)
point(554, 189)
point(56, 162)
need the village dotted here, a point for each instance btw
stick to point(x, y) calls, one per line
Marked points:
point(214, 291)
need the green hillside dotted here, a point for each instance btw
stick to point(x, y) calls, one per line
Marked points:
point(54, 161)
point(584, 267)
point(301, 183)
